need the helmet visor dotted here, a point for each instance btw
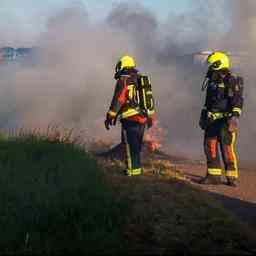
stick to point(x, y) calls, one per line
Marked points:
point(215, 65)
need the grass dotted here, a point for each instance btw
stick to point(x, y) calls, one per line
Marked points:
point(54, 199)
point(169, 217)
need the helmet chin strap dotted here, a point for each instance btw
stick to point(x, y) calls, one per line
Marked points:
point(205, 83)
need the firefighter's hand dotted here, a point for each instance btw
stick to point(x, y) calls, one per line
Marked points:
point(233, 124)
point(150, 122)
point(110, 120)
point(203, 119)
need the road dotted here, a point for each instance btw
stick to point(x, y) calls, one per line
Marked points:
point(240, 200)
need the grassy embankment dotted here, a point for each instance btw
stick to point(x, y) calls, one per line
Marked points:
point(55, 198)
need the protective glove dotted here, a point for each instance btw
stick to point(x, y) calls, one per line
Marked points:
point(203, 119)
point(110, 120)
point(150, 122)
point(233, 124)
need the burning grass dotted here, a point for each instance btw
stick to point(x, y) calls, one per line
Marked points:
point(155, 163)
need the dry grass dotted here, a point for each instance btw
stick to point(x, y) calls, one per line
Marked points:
point(52, 133)
point(169, 216)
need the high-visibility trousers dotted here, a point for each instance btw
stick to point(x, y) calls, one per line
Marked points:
point(218, 140)
point(132, 139)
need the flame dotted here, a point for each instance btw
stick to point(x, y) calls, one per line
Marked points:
point(153, 137)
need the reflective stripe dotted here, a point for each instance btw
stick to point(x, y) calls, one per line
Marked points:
point(214, 171)
point(233, 150)
point(112, 113)
point(128, 152)
point(129, 112)
point(143, 92)
point(144, 98)
point(142, 82)
point(222, 85)
point(233, 173)
point(216, 115)
point(130, 91)
point(133, 172)
point(238, 110)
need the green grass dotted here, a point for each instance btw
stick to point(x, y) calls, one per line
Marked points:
point(54, 199)
point(173, 218)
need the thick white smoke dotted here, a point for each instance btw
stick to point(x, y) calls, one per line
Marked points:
point(71, 82)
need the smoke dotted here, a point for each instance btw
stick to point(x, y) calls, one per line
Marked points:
point(71, 80)
point(242, 38)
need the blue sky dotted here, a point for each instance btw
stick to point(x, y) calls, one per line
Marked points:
point(31, 15)
point(28, 17)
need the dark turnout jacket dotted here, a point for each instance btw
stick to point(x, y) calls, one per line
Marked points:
point(123, 102)
point(224, 93)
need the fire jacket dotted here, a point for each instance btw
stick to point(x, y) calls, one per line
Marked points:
point(224, 96)
point(123, 103)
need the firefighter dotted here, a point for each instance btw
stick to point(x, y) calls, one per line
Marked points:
point(219, 119)
point(128, 110)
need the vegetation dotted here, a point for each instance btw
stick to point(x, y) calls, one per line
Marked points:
point(56, 197)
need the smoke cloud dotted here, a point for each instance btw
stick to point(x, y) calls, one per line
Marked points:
point(70, 81)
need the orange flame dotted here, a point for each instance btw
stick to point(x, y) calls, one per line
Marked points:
point(153, 137)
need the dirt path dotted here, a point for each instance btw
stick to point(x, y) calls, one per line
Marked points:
point(240, 200)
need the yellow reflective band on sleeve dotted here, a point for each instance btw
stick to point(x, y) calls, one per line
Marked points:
point(214, 171)
point(112, 113)
point(222, 85)
point(238, 110)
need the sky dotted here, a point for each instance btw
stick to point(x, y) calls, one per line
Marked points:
point(31, 15)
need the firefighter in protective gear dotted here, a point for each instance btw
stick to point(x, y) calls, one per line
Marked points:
point(125, 107)
point(219, 119)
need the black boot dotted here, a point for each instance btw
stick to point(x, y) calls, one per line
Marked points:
point(232, 182)
point(211, 180)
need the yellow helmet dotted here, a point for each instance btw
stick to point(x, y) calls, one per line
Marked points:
point(218, 60)
point(125, 62)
